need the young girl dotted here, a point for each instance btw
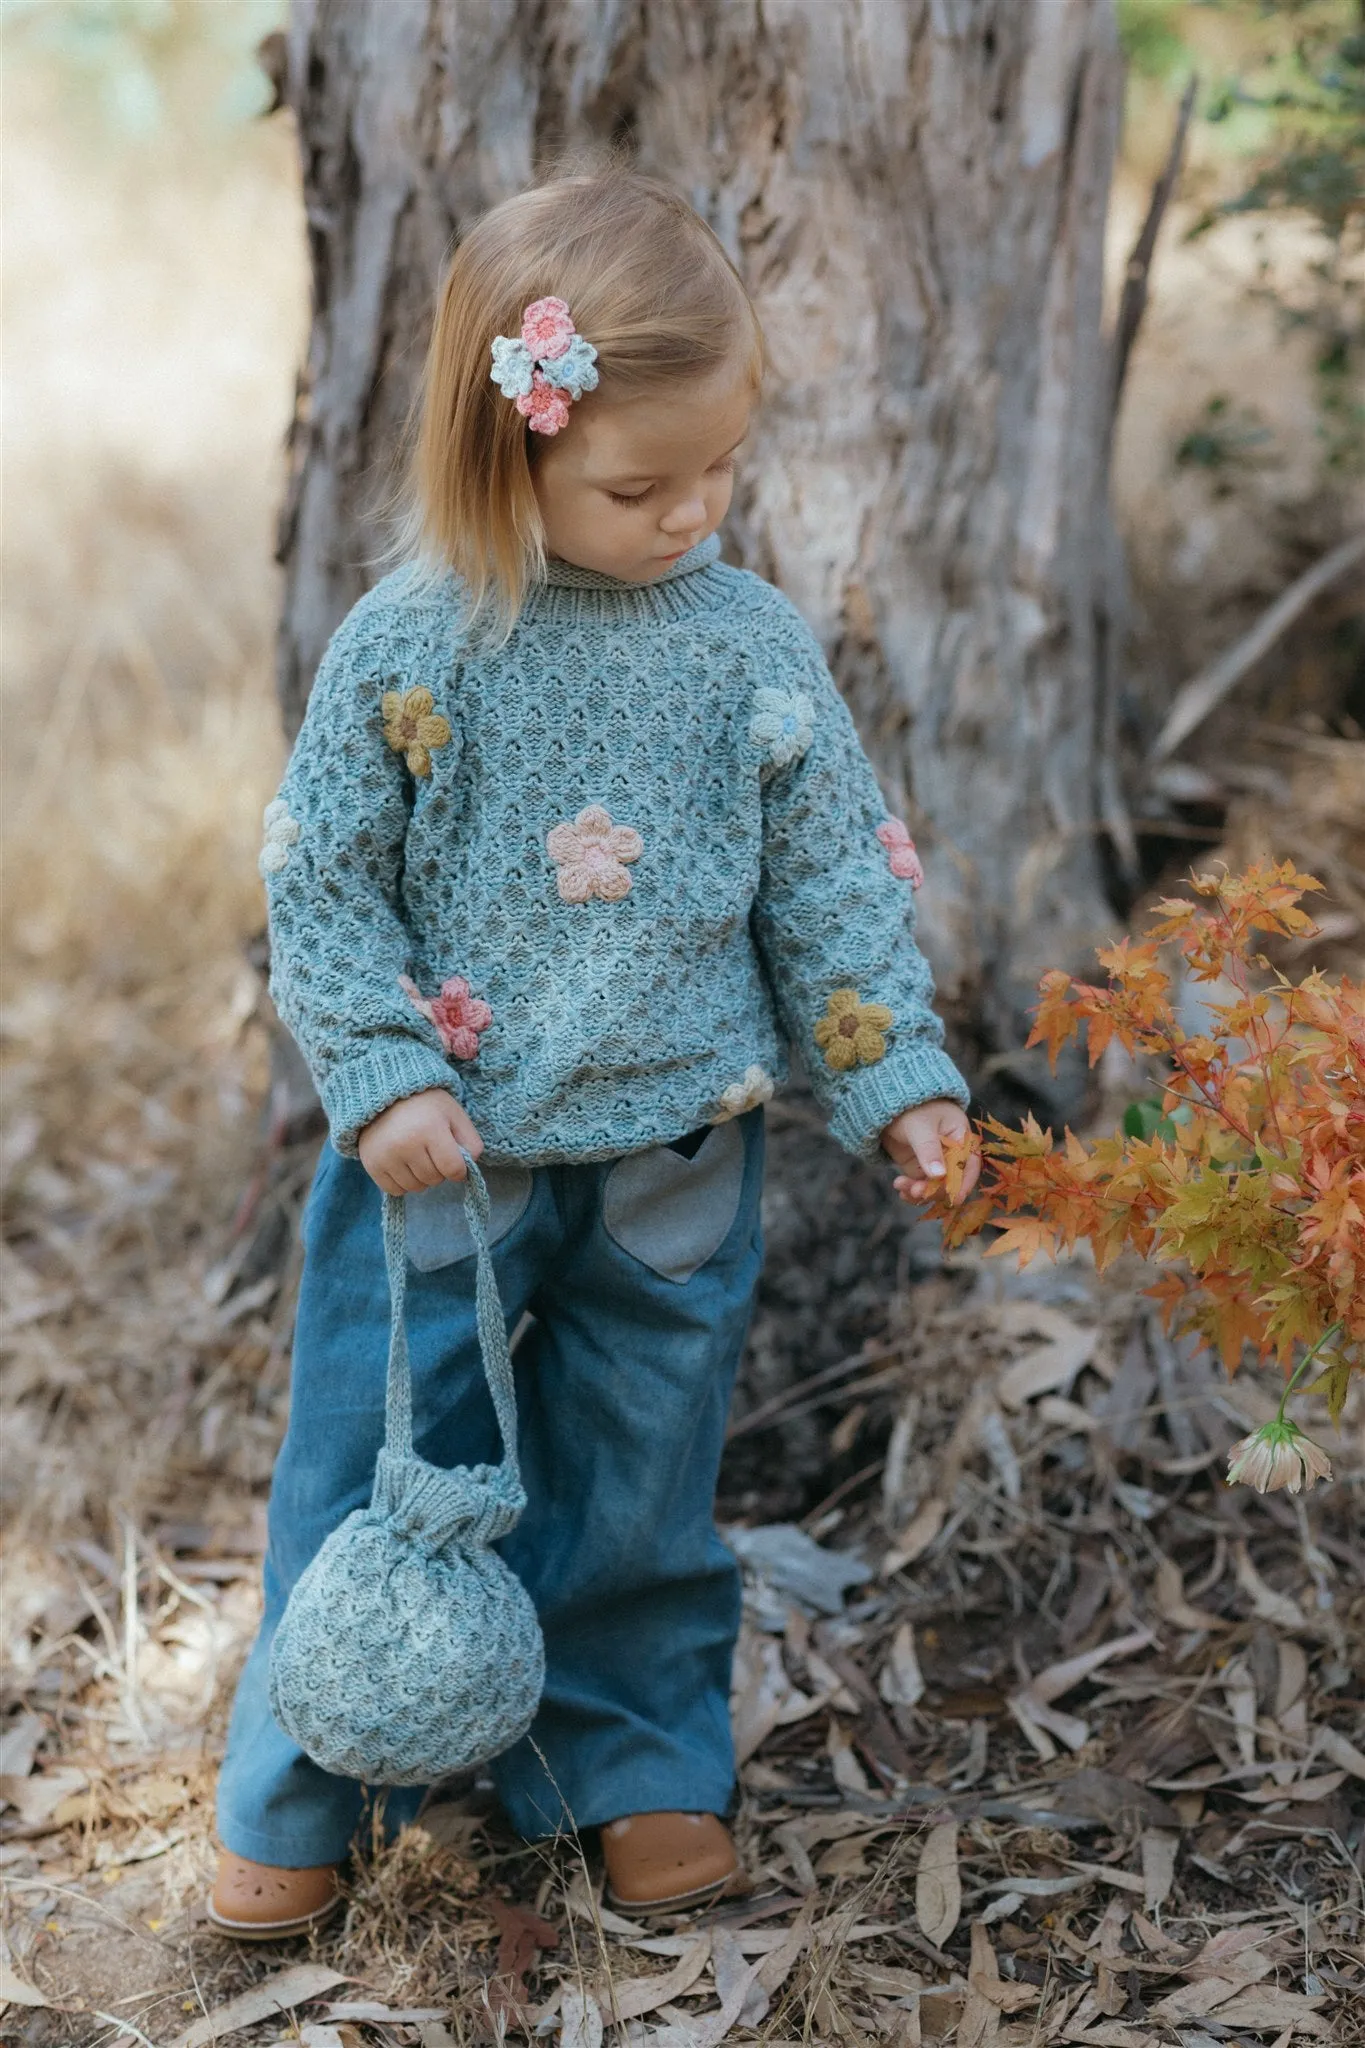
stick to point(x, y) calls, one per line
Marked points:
point(576, 838)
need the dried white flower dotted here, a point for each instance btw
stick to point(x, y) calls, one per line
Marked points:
point(1275, 1455)
point(756, 1087)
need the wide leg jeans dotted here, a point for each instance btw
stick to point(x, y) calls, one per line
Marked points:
point(639, 1274)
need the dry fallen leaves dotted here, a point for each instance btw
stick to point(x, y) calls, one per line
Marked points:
point(580, 2019)
point(296, 1986)
point(1169, 1598)
point(938, 1887)
point(1159, 1848)
point(15, 1988)
point(634, 1997)
point(902, 1682)
point(521, 1937)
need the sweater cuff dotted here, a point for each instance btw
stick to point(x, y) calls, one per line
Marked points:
point(360, 1089)
point(906, 1077)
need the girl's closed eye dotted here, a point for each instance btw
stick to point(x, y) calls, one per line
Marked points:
point(721, 468)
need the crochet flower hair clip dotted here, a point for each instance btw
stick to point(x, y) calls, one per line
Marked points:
point(545, 366)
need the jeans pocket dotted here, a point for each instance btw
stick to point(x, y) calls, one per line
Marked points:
point(437, 1232)
point(673, 1213)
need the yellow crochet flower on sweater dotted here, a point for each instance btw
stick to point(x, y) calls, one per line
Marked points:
point(413, 726)
point(850, 1032)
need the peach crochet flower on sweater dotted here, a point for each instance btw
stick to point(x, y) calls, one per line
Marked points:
point(900, 852)
point(590, 855)
point(457, 1016)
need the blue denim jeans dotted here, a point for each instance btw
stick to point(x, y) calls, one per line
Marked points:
point(639, 1274)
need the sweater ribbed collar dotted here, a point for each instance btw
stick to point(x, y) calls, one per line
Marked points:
point(567, 591)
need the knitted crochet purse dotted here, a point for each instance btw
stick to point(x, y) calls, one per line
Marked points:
point(408, 1650)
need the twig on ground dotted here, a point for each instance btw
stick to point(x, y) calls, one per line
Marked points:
point(1204, 692)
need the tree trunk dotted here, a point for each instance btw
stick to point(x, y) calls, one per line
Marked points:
point(915, 193)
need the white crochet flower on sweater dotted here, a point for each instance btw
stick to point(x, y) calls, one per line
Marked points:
point(783, 724)
point(281, 832)
point(742, 1095)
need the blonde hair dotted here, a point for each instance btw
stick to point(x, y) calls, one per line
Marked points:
point(646, 282)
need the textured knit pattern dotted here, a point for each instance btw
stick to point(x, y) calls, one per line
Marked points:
point(398, 1664)
point(408, 1650)
point(643, 833)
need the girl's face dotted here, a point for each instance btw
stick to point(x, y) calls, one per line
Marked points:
point(629, 485)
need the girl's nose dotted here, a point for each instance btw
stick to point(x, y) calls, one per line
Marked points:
point(684, 518)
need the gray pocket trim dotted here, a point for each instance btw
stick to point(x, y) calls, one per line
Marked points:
point(437, 1232)
point(671, 1213)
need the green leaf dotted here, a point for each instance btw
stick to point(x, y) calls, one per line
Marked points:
point(1333, 1385)
point(1144, 1121)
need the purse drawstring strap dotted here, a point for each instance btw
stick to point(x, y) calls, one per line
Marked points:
point(497, 1359)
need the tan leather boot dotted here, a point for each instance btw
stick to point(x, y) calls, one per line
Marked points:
point(257, 1902)
point(662, 1862)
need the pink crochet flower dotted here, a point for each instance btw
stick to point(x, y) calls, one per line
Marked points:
point(457, 1016)
point(900, 852)
point(547, 329)
point(544, 406)
point(589, 855)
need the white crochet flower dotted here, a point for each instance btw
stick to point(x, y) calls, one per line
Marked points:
point(512, 365)
point(783, 724)
point(281, 832)
point(756, 1087)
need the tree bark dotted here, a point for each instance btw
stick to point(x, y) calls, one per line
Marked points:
point(915, 193)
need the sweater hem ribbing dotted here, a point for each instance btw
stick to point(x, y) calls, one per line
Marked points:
point(881, 1093)
point(362, 1089)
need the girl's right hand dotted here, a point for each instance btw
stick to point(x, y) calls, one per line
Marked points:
point(415, 1143)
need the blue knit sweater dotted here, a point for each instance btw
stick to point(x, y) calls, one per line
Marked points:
point(593, 882)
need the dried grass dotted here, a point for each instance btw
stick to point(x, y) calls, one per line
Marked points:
point(134, 1060)
point(148, 354)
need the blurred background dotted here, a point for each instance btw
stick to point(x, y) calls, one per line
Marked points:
point(156, 310)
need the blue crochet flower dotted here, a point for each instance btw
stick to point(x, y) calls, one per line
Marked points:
point(783, 724)
point(512, 365)
point(575, 371)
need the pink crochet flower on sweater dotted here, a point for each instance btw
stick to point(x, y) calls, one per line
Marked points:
point(547, 329)
point(546, 407)
point(590, 854)
point(900, 852)
point(457, 1016)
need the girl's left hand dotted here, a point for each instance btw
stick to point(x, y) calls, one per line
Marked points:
point(915, 1140)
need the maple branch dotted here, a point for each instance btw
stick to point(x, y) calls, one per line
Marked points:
point(1266, 1247)
point(1214, 1104)
point(1236, 969)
